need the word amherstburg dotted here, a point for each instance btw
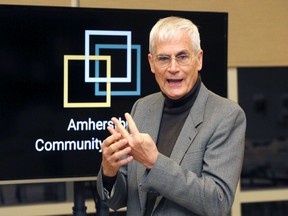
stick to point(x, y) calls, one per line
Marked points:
point(78, 145)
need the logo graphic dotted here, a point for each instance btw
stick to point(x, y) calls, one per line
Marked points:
point(104, 65)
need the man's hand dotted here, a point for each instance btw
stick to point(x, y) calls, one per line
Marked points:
point(114, 153)
point(141, 145)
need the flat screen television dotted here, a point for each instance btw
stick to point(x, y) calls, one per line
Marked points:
point(64, 72)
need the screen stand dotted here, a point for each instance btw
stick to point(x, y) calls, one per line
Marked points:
point(79, 208)
point(102, 209)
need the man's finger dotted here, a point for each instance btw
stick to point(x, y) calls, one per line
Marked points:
point(111, 139)
point(132, 126)
point(112, 130)
point(120, 128)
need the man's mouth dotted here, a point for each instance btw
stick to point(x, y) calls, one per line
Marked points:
point(175, 81)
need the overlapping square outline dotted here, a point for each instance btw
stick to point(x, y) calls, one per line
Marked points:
point(136, 92)
point(108, 79)
point(68, 104)
point(127, 34)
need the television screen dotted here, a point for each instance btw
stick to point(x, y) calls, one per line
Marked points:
point(64, 72)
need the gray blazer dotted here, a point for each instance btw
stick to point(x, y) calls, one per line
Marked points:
point(201, 175)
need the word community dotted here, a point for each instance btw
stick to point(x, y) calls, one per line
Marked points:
point(68, 145)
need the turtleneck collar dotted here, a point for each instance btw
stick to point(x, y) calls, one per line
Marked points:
point(184, 103)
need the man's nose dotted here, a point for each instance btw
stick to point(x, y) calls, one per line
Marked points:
point(174, 66)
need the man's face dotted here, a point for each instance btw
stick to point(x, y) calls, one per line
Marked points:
point(175, 79)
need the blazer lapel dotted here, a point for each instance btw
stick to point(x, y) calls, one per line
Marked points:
point(189, 130)
point(184, 140)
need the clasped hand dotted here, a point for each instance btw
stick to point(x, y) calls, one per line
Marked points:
point(121, 147)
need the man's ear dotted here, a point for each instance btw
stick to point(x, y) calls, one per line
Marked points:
point(151, 63)
point(200, 59)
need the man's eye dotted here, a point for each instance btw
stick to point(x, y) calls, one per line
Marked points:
point(182, 57)
point(163, 58)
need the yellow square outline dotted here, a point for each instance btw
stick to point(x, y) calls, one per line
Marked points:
point(108, 84)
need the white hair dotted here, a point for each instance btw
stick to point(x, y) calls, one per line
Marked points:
point(169, 27)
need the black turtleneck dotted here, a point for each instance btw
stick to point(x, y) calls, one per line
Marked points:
point(173, 118)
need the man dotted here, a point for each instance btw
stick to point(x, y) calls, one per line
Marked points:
point(184, 149)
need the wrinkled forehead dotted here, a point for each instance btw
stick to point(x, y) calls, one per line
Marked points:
point(170, 34)
point(180, 40)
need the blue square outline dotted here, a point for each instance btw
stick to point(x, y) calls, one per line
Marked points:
point(136, 92)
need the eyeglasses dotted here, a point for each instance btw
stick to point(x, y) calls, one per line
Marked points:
point(165, 60)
